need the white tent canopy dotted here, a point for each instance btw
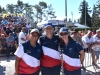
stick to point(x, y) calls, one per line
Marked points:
point(54, 23)
point(80, 26)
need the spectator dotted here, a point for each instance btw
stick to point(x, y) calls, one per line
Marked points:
point(22, 37)
point(10, 44)
point(40, 31)
point(3, 43)
point(5, 21)
point(78, 39)
point(16, 41)
point(15, 34)
point(8, 31)
point(95, 48)
point(28, 26)
point(87, 41)
point(57, 31)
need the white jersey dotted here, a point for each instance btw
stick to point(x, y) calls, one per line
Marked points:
point(96, 47)
point(21, 35)
point(86, 40)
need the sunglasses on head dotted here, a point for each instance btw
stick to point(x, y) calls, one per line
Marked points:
point(62, 34)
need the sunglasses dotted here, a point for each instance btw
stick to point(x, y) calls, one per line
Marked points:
point(63, 34)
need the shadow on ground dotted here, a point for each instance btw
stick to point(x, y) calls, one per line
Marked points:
point(88, 72)
point(2, 70)
point(4, 58)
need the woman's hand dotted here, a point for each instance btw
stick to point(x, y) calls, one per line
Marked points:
point(16, 73)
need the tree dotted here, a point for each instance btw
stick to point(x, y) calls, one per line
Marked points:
point(96, 15)
point(19, 7)
point(10, 8)
point(44, 11)
point(28, 10)
point(0, 9)
point(4, 10)
point(84, 8)
point(38, 12)
point(43, 7)
point(50, 12)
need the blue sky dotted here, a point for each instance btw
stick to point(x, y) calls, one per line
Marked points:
point(58, 5)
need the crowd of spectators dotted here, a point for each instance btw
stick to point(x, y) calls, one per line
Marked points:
point(10, 27)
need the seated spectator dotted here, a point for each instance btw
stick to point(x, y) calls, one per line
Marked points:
point(3, 43)
point(10, 44)
point(15, 34)
point(0, 47)
point(57, 31)
point(8, 31)
point(3, 32)
point(16, 41)
point(28, 26)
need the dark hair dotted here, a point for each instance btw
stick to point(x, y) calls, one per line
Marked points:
point(10, 34)
point(62, 42)
point(29, 31)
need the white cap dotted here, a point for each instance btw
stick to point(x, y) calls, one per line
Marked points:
point(98, 30)
point(34, 30)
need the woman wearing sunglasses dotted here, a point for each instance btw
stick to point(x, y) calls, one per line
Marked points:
point(72, 53)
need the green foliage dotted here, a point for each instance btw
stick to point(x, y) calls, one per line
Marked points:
point(84, 7)
point(96, 15)
point(36, 12)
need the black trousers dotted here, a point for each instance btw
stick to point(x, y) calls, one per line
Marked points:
point(76, 72)
point(51, 71)
point(36, 73)
point(10, 49)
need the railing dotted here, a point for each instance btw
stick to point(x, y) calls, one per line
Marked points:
point(88, 60)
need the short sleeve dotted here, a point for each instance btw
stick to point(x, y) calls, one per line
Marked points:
point(86, 40)
point(78, 47)
point(39, 41)
point(22, 35)
point(94, 39)
point(19, 52)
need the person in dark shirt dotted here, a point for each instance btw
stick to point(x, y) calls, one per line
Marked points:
point(72, 53)
point(40, 31)
point(28, 56)
point(8, 31)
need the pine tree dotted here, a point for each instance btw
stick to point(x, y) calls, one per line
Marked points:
point(96, 15)
point(84, 7)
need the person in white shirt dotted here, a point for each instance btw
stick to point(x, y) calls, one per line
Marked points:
point(87, 40)
point(96, 47)
point(28, 26)
point(22, 37)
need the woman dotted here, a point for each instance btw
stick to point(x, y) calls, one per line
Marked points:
point(28, 56)
point(50, 61)
point(70, 53)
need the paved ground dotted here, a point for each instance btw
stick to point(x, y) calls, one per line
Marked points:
point(7, 67)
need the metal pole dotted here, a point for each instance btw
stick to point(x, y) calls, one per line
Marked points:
point(66, 10)
point(85, 14)
point(72, 16)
